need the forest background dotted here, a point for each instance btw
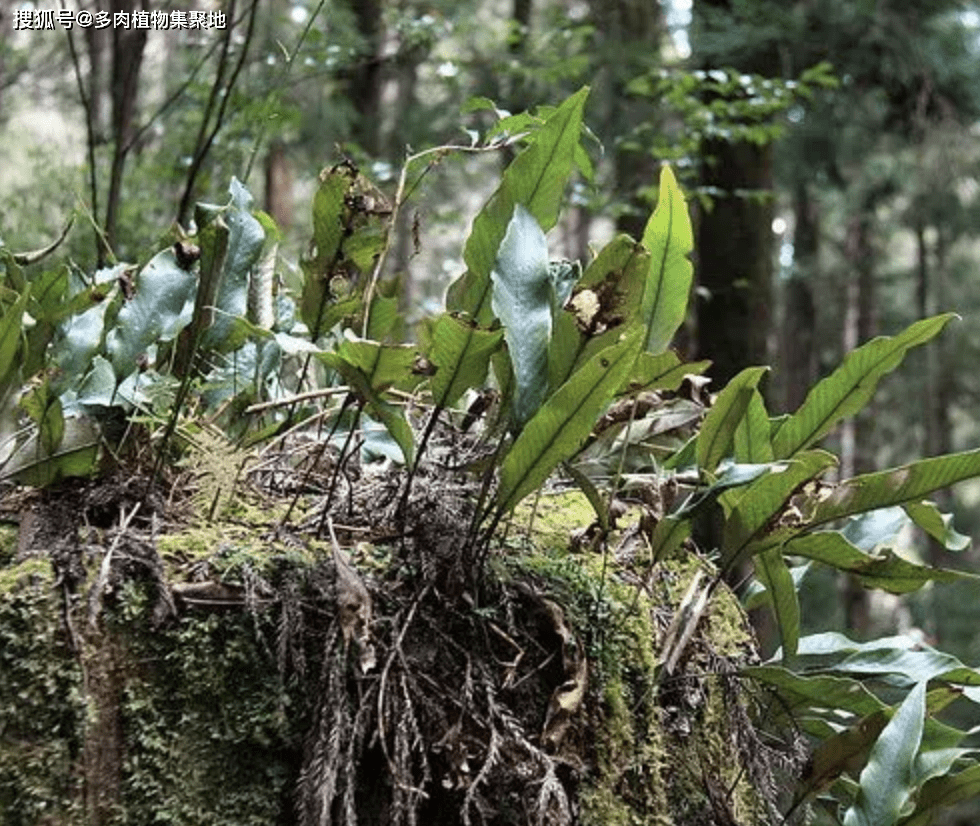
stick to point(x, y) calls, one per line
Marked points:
point(829, 148)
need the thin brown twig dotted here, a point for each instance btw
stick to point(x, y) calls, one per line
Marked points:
point(392, 654)
point(95, 597)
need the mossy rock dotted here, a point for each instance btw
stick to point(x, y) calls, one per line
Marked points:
point(124, 702)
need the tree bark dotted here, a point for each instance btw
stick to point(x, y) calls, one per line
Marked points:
point(279, 185)
point(365, 78)
point(857, 432)
point(734, 239)
point(798, 364)
point(734, 261)
point(127, 57)
point(628, 37)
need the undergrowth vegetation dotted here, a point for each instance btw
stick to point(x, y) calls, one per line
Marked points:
point(232, 391)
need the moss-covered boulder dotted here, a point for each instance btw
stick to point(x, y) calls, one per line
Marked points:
point(202, 675)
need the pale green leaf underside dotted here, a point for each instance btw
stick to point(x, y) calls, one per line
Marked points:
point(522, 300)
point(887, 779)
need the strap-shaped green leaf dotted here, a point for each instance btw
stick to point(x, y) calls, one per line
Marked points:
point(246, 237)
point(908, 483)
point(770, 568)
point(883, 569)
point(522, 300)
point(562, 424)
point(937, 524)
point(721, 422)
point(384, 364)
point(11, 326)
point(887, 780)
point(904, 658)
point(536, 179)
point(944, 791)
point(662, 371)
point(606, 301)
point(800, 693)
point(161, 306)
point(461, 354)
point(752, 444)
point(669, 238)
point(362, 386)
point(668, 535)
point(845, 391)
point(764, 498)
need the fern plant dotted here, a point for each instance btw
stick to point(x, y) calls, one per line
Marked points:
point(560, 344)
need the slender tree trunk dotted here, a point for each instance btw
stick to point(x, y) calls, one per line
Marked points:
point(127, 57)
point(97, 43)
point(939, 397)
point(857, 433)
point(735, 261)
point(365, 78)
point(279, 185)
point(734, 241)
point(798, 367)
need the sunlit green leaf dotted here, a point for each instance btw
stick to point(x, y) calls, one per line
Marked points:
point(669, 238)
point(384, 364)
point(909, 483)
point(848, 389)
point(536, 179)
point(904, 659)
point(662, 371)
point(362, 386)
point(724, 417)
point(882, 569)
point(461, 354)
point(752, 443)
point(764, 498)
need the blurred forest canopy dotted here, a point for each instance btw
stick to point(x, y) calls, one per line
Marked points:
point(830, 147)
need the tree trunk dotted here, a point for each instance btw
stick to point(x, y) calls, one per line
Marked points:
point(798, 365)
point(127, 57)
point(857, 433)
point(734, 240)
point(628, 37)
point(365, 78)
point(734, 261)
point(97, 43)
point(279, 186)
